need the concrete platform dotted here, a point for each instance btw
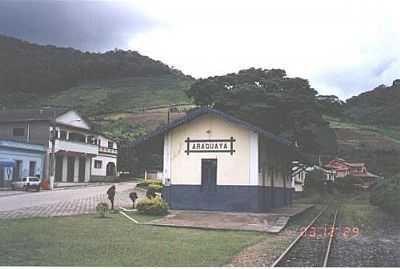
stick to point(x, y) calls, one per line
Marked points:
point(272, 222)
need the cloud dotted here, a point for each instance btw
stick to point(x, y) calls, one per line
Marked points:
point(86, 25)
point(342, 47)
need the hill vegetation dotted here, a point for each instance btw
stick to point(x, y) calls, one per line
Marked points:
point(377, 146)
point(29, 72)
point(130, 94)
point(269, 99)
point(378, 107)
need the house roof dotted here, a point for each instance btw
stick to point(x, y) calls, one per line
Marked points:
point(48, 114)
point(343, 164)
point(195, 113)
point(24, 115)
point(356, 164)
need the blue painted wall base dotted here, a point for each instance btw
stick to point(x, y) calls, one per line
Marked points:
point(227, 198)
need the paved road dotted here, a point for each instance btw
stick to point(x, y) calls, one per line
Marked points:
point(61, 202)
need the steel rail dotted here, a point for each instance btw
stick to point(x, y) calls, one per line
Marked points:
point(297, 239)
point(331, 236)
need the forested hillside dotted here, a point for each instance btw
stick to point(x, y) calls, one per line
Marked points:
point(380, 106)
point(367, 127)
point(29, 72)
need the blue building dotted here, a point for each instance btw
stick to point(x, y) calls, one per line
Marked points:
point(19, 159)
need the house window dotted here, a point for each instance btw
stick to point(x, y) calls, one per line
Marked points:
point(18, 131)
point(76, 137)
point(110, 145)
point(32, 168)
point(63, 135)
point(17, 169)
point(97, 164)
point(91, 140)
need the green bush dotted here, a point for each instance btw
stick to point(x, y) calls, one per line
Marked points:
point(142, 185)
point(314, 181)
point(152, 206)
point(146, 183)
point(102, 209)
point(157, 188)
point(348, 184)
point(387, 196)
point(151, 193)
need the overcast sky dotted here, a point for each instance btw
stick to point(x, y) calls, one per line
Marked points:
point(341, 47)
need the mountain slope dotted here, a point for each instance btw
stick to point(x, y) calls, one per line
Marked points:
point(28, 71)
point(128, 94)
point(378, 147)
point(378, 107)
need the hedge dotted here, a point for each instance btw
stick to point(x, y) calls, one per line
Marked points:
point(152, 206)
point(348, 184)
point(386, 195)
point(146, 183)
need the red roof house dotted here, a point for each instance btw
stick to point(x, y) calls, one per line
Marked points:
point(344, 168)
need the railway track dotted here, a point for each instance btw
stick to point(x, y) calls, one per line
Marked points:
point(313, 245)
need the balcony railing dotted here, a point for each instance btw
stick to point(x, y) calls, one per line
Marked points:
point(64, 145)
point(108, 150)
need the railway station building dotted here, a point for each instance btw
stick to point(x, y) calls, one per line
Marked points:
point(214, 161)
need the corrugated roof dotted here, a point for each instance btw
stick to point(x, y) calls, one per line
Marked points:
point(193, 114)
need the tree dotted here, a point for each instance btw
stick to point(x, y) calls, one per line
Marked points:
point(266, 98)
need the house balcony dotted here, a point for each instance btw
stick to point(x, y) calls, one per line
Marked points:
point(107, 150)
point(76, 147)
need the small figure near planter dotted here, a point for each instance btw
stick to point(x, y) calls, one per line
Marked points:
point(111, 195)
point(133, 196)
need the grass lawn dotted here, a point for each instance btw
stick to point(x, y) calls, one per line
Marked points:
point(115, 241)
point(355, 210)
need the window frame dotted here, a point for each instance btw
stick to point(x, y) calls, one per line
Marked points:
point(98, 164)
point(110, 144)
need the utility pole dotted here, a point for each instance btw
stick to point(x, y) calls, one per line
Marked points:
point(52, 154)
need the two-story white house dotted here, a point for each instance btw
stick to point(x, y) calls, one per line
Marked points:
point(299, 172)
point(81, 153)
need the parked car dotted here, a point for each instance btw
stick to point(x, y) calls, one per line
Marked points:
point(27, 183)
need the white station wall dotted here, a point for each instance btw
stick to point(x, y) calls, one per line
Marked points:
point(241, 168)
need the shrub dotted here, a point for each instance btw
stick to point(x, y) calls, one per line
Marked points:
point(102, 209)
point(151, 193)
point(142, 185)
point(387, 196)
point(152, 206)
point(157, 188)
point(348, 184)
point(314, 181)
point(154, 182)
point(146, 183)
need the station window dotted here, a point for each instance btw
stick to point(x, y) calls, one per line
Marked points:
point(97, 164)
